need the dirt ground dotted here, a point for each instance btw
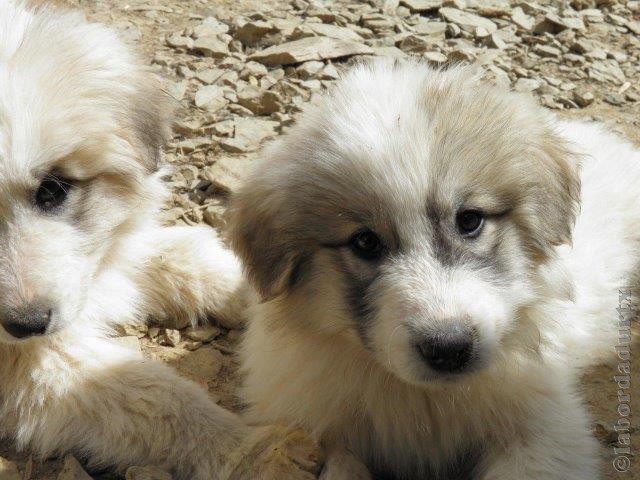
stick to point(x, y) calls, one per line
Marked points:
point(149, 23)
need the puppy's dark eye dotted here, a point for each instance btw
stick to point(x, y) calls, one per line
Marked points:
point(366, 244)
point(469, 222)
point(52, 193)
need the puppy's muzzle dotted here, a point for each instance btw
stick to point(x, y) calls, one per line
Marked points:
point(450, 350)
point(29, 320)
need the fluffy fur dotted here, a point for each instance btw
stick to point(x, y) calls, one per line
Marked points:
point(76, 111)
point(401, 150)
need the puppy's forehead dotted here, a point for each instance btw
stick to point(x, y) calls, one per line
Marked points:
point(412, 138)
point(58, 87)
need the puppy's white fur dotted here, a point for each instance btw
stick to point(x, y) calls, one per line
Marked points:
point(400, 149)
point(74, 104)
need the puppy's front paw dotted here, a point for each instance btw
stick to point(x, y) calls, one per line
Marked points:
point(275, 453)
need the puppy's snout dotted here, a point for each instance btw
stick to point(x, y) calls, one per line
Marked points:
point(450, 350)
point(29, 320)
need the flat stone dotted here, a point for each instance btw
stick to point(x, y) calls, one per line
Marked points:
point(592, 15)
point(522, 20)
point(184, 71)
point(224, 128)
point(309, 69)
point(285, 26)
point(435, 58)
point(416, 44)
point(379, 25)
point(583, 46)
point(421, 6)
point(187, 126)
point(229, 78)
point(252, 32)
point(498, 76)
point(210, 97)
point(468, 22)
point(211, 47)
point(574, 59)
point(313, 84)
point(260, 102)
point(323, 14)
point(597, 54)
point(432, 29)
point(619, 57)
point(463, 54)
point(210, 27)
point(508, 35)
point(177, 90)
point(329, 72)
point(171, 337)
point(334, 31)
point(312, 48)
point(249, 134)
point(614, 98)
point(255, 129)
point(389, 52)
point(225, 176)
point(634, 26)
point(209, 75)
point(552, 23)
point(606, 71)
point(495, 41)
point(190, 145)
point(547, 51)
point(617, 20)
point(494, 8)
point(204, 363)
point(178, 41)
point(253, 69)
point(526, 85)
point(205, 333)
point(574, 23)
point(237, 145)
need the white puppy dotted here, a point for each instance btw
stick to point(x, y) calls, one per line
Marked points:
point(81, 126)
point(423, 305)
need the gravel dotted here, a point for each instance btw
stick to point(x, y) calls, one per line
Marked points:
point(240, 72)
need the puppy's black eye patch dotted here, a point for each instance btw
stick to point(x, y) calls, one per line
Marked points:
point(52, 192)
point(366, 244)
point(469, 222)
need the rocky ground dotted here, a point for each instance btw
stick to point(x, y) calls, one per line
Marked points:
point(240, 71)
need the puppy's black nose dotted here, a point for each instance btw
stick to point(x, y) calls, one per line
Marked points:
point(450, 351)
point(28, 320)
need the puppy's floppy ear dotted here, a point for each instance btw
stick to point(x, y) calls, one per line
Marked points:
point(260, 234)
point(149, 120)
point(557, 192)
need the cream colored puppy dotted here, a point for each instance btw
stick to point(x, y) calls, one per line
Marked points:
point(81, 126)
point(432, 277)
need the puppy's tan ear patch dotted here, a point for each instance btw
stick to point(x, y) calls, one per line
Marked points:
point(557, 195)
point(260, 237)
point(565, 193)
point(150, 118)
